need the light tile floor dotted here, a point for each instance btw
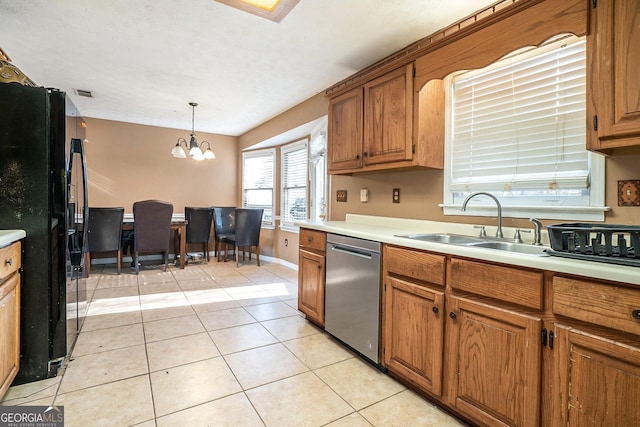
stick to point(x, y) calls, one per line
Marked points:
point(215, 345)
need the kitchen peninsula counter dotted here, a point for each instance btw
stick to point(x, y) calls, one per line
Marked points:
point(385, 229)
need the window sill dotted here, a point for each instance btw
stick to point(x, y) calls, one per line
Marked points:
point(290, 228)
point(582, 213)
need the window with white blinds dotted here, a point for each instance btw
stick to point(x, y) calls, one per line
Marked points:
point(294, 182)
point(258, 171)
point(517, 129)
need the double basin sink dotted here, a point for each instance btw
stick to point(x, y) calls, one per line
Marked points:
point(508, 245)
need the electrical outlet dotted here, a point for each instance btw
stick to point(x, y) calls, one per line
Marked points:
point(629, 193)
point(286, 243)
point(341, 196)
point(396, 195)
point(364, 195)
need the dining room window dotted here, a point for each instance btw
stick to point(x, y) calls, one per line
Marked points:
point(294, 180)
point(517, 129)
point(257, 182)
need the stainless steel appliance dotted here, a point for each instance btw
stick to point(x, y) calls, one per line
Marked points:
point(352, 296)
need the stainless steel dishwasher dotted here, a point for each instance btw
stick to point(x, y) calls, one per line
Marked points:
point(352, 295)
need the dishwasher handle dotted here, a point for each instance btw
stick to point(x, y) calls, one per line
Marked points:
point(351, 251)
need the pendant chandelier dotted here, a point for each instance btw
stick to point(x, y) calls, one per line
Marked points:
point(195, 150)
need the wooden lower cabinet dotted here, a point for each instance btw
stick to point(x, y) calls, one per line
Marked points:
point(9, 315)
point(494, 363)
point(311, 284)
point(414, 333)
point(597, 380)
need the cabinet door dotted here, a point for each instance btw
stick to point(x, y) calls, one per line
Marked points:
point(598, 380)
point(9, 331)
point(494, 363)
point(413, 333)
point(345, 131)
point(311, 281)
point(388, 115)
point(614, 63)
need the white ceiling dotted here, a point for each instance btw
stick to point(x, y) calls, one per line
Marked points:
point(145, 60)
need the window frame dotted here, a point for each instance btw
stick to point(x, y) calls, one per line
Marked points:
point(268, 152)
point(301, 144)
point(594, 211)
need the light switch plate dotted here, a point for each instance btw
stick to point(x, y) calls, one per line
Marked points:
point(629, 192)
point(341, 196)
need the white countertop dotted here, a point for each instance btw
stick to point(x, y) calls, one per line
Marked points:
point(9, 236)
point(384, 229)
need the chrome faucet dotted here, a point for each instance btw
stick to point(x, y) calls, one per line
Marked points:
point(536, 231)
point(495, 199)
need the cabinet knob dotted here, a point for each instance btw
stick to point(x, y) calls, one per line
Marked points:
point(365, 154)
point(435, 309)
point(636, 314)
point(309, 239)
point(357, 156)
point(453, 315)
point(8, 262)
point(319, 267)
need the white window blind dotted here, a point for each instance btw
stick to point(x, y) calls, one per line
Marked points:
point(521, 125)
point(257, 182)
point(517, 129)
point(294, 183)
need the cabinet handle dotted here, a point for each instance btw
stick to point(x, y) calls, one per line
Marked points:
point(435, 309)
point(543, 337)
point(365, 154)
point(8, 262)
point(551, 338)
point(357, 156)
point(452, 315)
point(636, 314)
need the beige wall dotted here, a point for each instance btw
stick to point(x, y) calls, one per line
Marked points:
point(128, 162)
point(280, 243)
point(421, 192)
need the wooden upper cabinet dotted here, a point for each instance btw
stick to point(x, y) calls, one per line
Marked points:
point(613, 115)
point(345, 131)
point(388, 106)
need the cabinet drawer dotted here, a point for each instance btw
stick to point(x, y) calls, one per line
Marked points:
point(312, 239)
point(415, 264)
point(9, 260)
point(606, 305)
point(522, 287)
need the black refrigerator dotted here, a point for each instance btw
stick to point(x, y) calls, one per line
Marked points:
point(34, 197)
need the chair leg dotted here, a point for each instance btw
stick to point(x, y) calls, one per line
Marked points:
point(237, 256)
point(135, 261)
point(119, 256)
point(166, 261)
point(219, 249)
point(258, 255)
point(87, 263)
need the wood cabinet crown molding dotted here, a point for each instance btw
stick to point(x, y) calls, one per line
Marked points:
point(549, 14)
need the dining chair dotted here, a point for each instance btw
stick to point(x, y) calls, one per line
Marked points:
point(151, 229)
point(198, 227)
point(224, 225)
point(104, 234)
point(247, 234)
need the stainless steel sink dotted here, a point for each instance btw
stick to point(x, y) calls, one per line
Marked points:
point(522, 248)
point(477, 242)
point(452, 239)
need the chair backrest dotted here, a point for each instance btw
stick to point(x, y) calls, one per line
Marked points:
point(152, 225)
point(248, 223)
point(224, 220)
point(104, 229)
point(198, 224)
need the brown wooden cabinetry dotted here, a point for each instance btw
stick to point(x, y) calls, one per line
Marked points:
point(613, 51)
point(413, 321)
point(10, 262)
point(494, 358)
point(596, 353)
point(311, 275)
point(345, 131)
point(371, 127)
